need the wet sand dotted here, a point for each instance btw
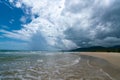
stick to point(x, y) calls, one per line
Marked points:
point(113, 58)
point(108, 62)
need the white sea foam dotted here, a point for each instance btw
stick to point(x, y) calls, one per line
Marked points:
point(76, 61)
point(39, 60)
point(72, 62)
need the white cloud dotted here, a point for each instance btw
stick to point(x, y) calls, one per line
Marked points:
point(18, 5)
point(56, 17)
point(67, 44)
point(10, 1)
point(23, 19)
point(21, 34)
point(50, 22)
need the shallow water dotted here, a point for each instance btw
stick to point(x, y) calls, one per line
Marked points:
point(48, 66)
point(33, 65)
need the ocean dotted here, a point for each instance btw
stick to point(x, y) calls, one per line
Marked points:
point(37, 65)
point(33, 65)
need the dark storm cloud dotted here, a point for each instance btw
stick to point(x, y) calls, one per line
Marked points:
point(104, 26)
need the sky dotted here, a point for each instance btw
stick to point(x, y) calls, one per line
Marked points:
point(58, 24)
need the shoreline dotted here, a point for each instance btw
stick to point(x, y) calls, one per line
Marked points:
point(107, 62)
point(63, 66)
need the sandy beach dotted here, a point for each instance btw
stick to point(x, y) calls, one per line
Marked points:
point(113, 58)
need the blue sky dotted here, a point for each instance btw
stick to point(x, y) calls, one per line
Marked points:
point(9, 16)
point(9, 21)
point(58, 24)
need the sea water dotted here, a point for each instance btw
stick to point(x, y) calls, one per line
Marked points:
point(34, 65)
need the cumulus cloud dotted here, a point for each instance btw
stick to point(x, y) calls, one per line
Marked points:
point(68, 24)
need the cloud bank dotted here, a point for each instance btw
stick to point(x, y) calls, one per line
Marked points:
point(68, 24)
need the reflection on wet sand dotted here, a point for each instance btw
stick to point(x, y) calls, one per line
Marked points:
point(59, 67)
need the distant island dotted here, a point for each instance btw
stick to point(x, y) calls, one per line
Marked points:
point(98, 49)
